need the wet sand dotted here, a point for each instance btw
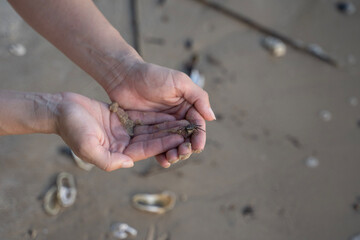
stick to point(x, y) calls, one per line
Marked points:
point(252, 181)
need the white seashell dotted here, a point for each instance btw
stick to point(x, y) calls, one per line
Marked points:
point(82, 164)
point(51, 205)
point(325, 115)
point(312, 162)
point(67, 192)
point(123, 231)
point(197, 78)
point(17, 49)
point(353, 101)
point(154, 203)
point(275, 46)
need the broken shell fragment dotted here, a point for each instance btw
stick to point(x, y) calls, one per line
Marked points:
point(325, 115)
point(17, 49)
point(66, 193)
point(312, 162)
point(123, 231)
point(275, 46)
point(81, 164)
point(197, 78)
point(51, 205)
point(353, 101)
point(154, 203)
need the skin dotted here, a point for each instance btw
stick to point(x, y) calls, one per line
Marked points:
point(82, 33)
point(87, 126)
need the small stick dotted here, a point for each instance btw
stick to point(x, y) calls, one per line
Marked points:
point(135, 24)
point(298, 45)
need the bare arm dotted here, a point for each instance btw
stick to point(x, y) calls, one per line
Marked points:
point(82, 33)
point(87, 126)
point(22, 113)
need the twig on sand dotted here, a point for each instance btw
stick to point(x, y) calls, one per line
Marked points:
point(296, 44)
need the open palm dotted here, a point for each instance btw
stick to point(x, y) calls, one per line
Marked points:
point(97, 136)
point(148, 87)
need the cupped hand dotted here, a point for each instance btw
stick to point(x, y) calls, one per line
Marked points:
point(96, 135)
point(148, 87)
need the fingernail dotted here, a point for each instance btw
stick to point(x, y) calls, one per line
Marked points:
point(212, 113)
point(198, 151)
point(127, 164)
point(172, 161)
point(185, 156)
point(167, 165)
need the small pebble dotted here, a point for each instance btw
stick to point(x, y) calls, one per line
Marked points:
point(17, 49)
point(312, 162)
point(275, 46)
point(32, 233)
point(346, 8)
point(353, 101)
point(248, 211)
point(188, 44)
point(325, 115)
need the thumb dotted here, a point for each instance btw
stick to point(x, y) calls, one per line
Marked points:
point(196, 96)
point(103, 158)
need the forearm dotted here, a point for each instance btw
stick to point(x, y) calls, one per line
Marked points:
point(82, 33)
point(23, 113)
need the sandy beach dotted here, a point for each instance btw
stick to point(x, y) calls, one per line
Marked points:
point(254, 180)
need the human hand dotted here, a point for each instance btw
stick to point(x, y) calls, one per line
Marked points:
point(148, 87)
point(96, 135)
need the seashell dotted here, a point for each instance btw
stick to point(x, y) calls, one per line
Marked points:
point(82, 164)
point(154, 203)
point(353, 101)
point(275, 46)
point(17, 49)
point(197, 78)
point(67, 192)
point(325, 115)
point(51, 205)
point(123, 231)
point(312, 162)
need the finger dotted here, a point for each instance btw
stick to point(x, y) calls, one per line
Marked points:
point(159, 127)
point(142, 150)
point(172, 156)
point(146, 137)
point(196, 96)
point(150, 117)
point(184, 150)
point(96, 154)
point(161, 159)
point(198, 138)
point(180, 110)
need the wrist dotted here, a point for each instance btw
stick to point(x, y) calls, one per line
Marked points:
point(46, 111)
point(117, 65)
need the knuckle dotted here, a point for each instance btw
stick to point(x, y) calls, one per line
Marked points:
point(180, 75)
